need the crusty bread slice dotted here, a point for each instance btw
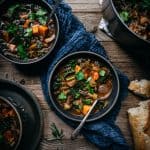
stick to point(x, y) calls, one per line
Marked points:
point(140, 126)
point(141, 88)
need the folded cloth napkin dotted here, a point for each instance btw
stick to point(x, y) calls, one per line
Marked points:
point(74, 37)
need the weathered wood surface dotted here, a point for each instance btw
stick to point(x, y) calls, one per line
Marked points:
point(88, 11)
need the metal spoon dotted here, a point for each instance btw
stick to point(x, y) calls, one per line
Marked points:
point(75, 133)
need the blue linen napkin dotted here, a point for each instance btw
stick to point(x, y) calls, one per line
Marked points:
point(74, 37)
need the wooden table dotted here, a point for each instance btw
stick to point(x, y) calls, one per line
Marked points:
point(88, 11)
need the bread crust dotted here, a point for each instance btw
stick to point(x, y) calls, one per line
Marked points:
point(139, 120)
point(147, 126)
point(140, 88)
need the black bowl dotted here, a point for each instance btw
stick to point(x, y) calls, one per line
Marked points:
point(112, 98)
point(5, 4)
point(19, 120)
point(29, 110)
point(120, 30)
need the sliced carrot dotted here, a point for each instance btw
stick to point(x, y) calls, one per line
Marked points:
point(43, 30)
point(35, 29)
point(85, 109)
point(95, 75)
point(26, 24)
point(77, 68)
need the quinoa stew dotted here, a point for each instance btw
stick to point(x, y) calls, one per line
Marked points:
point(79, 82)
point(26, 31)
point(10, 128)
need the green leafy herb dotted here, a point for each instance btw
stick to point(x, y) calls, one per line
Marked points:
point(146, 4)
point(42, 20)
point(102, 73)
point(77, 95)
point(57, 133)
point(57, 82)
point(62, 96)
point(12, 29)
point(77, 105)
point(21, 52)
point(80, 76)
point(41, 12)
point(67, 72)
point(32, 16)
point(72, 64)
point(103, 79)
point(89, 88)
point(28, 32)
point(12, 9)
point(87, 101)
point(124, 16)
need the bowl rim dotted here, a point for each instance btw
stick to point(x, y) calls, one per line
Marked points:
point(57, 65)
point(19, 119)
point(33, 61)
point(125, 25)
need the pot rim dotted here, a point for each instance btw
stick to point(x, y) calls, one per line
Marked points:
point(33, 61)
point(19, 119)
point(125, 25)
point(50, 82)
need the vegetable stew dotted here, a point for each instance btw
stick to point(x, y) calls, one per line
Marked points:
point(26, 32)
point(79, 83)
point(9, 126)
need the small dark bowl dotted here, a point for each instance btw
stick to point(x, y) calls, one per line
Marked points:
point(6, 4)
point(112, 98)
point(19, 120)
point(120, 30)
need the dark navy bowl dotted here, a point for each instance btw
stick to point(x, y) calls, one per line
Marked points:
point(112, 98)
point(7, 3)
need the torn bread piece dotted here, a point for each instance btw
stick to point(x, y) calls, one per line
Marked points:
point(139, 120)
point(141, 88)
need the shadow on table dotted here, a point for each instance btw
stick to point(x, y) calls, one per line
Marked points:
point(33, 69)
point(140, 57)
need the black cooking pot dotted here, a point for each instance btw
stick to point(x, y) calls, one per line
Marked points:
point(120, 30)
point(5, 4)
point(112, 98)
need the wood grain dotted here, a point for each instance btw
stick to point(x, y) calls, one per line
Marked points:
point(88, 11)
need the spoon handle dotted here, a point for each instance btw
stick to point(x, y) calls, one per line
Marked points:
point(75, 133)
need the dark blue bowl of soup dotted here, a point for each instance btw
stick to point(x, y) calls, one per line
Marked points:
point(67, 98)
point(27, 33)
